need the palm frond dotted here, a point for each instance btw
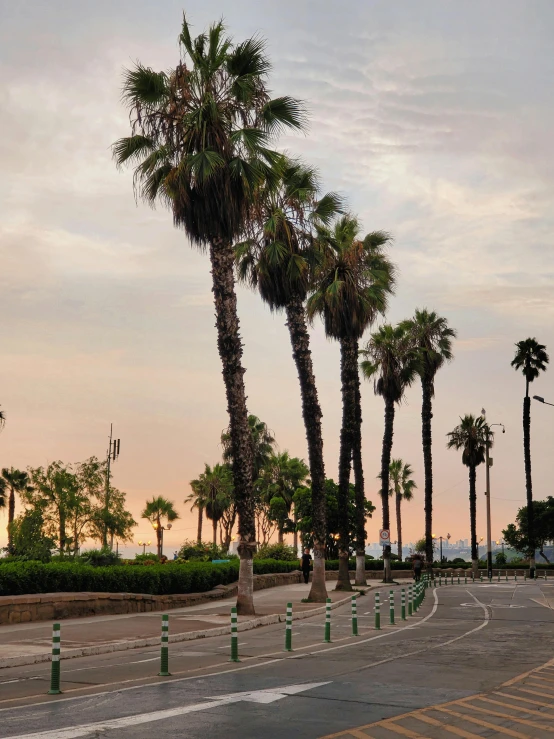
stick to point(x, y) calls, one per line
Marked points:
point(282, 113)
point(131, 149)
point(143, 86)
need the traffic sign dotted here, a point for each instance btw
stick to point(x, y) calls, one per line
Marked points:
point(384, 537)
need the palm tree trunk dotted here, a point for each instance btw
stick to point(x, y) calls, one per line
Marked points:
point(214, 533)
point(528, 483)
point(385, 464)
point(295, 534)
point(159, 535)
point(473, 519)
point(426, 416)
point(311, 413)
point(200, 522)
point(359, 484)
point(399, 525)
point(11, 516)
point(280, 536)
point(348, 374)
point(230, 351)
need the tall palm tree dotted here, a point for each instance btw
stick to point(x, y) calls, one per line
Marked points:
point(402, 487)
point(200, 138)
point(158, 511)
point(352, 287)
point(278, 259)
point(390, 361)
point(531, 358)
point(470, 437)
point(14, 481)
point(196, 499)
point(431, 337)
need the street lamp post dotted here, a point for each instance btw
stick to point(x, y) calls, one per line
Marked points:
point(488, 465)
point(144, 544)
point(440, 538)
point(158, 527)
point(530, 533)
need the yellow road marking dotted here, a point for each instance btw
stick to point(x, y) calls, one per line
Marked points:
point(521, 709)
point(519, 698)
point(547, 679)
point(486, 724)
point(534, 692)
point(452, 729)
point(534, 724)
point(397, 729)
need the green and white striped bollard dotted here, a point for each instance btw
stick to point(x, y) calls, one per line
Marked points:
point(416, 596)
point(481, 576)
point(55, 671)
point(458, 578)
point(452, 578)
point(472, 576)
point(524, 576)
point(545, 574)
point(403, 604)
point(515, 576)
point(288, 629)
point(354, 616)
point(327, 639)
point(377, 611)
point(410, 601)
point(164, 656)
point(440, 579)
point(498, 575)
point(506, 575)
point(234, 637)
point(465, 577)
point(391, 606)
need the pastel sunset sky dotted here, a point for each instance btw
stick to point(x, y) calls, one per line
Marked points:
point(434, 118)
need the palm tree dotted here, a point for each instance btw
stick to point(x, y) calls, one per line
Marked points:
point(199, 143)
point(263, 443)
point(278, 259)
point(213, 493)
point(431, 337)
point(531, 358)
point(157, 511)
point(196, 499)
point(390, 361)
point(402, 487)
point(14, 481)
point(470, 437)
point(280, 479)
point(352, 288)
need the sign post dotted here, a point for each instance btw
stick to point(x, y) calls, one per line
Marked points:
point(384, 537)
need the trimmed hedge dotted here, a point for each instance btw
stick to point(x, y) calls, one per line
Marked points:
point(23, 578)
point(370, 564)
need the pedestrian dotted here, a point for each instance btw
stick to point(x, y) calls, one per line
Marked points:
point(417, 566)
point(306, 559)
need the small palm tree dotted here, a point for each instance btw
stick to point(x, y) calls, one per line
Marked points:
point(200, 143)
point(158, 511)
point(280, 479)
point(14, 481)
point(391, 363)
point(196, 499)
point(278, 259)
point(470, 437)
point(431, 337)
point(531, 358)
point(402, 487)
point(352, 287)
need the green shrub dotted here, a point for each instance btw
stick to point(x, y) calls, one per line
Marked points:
point(281, 552)
point(147, 557)
point(100, 557)
point(192, 551)
point(21, 578)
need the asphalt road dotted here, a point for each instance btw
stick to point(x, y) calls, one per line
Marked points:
point(464, 640)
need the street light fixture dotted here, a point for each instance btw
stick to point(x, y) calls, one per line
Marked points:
point(157, 526)
point(488, 465)
point(541, 400)
point(447, 537)
point(144, 544)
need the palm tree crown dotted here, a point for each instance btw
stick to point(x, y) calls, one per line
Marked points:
point(159, 508)
point(263, 443)
point(470, 437)
point(354, 280)
point(390, 361)
point(401, 482)
point(432, 338)
point(531, 358)
point(200, 133)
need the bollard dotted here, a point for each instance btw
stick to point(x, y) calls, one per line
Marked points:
point(234, 637)
point(458, 578)
point(481, 576)
point(288, 629)
point(391, 606)
point(452, 578)
point(515, 577)
point(465, 577)
point(524, 576)
point(498, 575)
point(472, 576)
point(377, 611)
point(354, 616)
point(506, 575)
point(416, 597)
point(403, 605)
point(545, 574)
point(164, 656)
point(55, 672)
point(410, 601)
point(327, 639)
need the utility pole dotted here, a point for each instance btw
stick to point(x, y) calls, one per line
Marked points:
point(112, 454)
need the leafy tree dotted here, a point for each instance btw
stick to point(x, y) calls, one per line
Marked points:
point(420, 546)
point(431, 337)
point(351, 289)
point(517, 535)
point(470, 437)
point(278, 259)
point(28, 536)
point(200, 143)
point(280, 552)
point(531, 358)
point(390, 361)
point(14, 481)
point(263, 443)
point(402, 487)
point(158, 511)
point(303, 503)
point(500, 559)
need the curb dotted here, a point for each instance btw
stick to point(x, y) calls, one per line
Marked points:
point(154, 641)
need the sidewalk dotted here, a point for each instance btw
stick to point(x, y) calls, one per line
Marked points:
point(30, 643)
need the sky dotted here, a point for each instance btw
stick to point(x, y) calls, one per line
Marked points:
point(434, 119)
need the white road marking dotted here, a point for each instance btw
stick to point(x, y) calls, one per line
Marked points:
point(257, 696)
point(226, 646)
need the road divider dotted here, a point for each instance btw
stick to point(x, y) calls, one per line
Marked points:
point(377, 611)
point(164, 653)
point(234, 637)
point(55, 670)
point(288, 629)
point(327, 638)
point(391, 607)
point(354, 616)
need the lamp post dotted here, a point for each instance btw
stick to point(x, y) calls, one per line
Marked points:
point(158, 527)
point(488, 465)
point(144, 544)
point(530, 533)
point(440, 538)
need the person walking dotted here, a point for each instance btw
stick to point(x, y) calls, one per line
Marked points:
point(417, 567)
point(306, 560)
